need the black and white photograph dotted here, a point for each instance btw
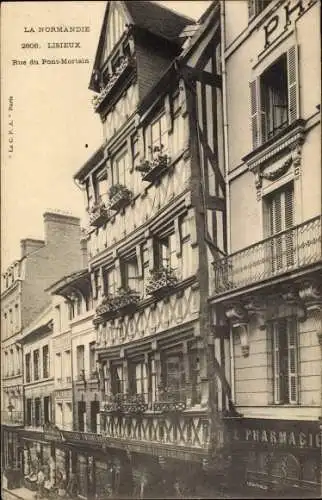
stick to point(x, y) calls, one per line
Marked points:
point(161, 250)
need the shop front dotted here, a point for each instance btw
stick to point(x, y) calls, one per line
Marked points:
point(276, 457)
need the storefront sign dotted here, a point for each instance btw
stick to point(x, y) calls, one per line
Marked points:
point(279, 433)
point(52, 433)
point(282, 20)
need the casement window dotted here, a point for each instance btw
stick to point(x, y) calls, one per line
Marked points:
point(139, 379)
point(174, 376)
point(115, 30)
point(45, 361)
point(80, 356)
point(92, 359)
point(6, 365)
point(58, 317)
point(36, 364)
point(28, 411)
point(110, 281)
point(117, 379)
point(156, 137)
point(165, 249)
point(38, 417)
point(285, 361)
point(89, 193)
point(256, 6)
point(67, 366)
point(95, 410)
point(100, 186)
point(28, 367)
point(130, 274)
point(177, 143)
point(120, 165)
point(274, 99)
point(280, 219)
point(59, 415)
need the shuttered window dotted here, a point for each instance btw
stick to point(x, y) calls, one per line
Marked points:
point(274, 98)
point(280, 221)
point(285, 363)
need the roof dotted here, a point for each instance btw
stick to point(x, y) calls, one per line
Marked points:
point(158, 19)
point(63, 282)
point(41, 324)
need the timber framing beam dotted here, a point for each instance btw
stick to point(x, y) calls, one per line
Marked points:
point(202, 76)
point(215, 203)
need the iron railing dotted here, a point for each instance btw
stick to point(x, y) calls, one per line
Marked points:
point(286, 251)
point(12, 417)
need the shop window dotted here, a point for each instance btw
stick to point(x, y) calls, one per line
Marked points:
point(285, 361)
point(45, 361)
point(255, 7)
point(37, 421)
point(274, 98)
point(28, 411)
point(36, 364)
point(279, 207)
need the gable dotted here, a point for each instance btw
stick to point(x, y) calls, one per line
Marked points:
point(114, 28)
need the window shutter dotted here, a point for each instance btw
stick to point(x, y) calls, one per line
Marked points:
point(293, 87)
point(292, 360)
point(168, 113)
point(289, 208)
point(276, 363)
point(139, 260)
point(254, 97)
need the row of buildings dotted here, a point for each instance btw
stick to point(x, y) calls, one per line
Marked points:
point(175, 343)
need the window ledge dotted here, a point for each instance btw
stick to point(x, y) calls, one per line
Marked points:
point(287, 139)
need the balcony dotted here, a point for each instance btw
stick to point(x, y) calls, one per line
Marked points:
point(114, 81)
point(124, 301)
point(12, 417)
point(99, 214)
point(286, 251)
point(162, 280)
point(119, 196)
point(151, 170)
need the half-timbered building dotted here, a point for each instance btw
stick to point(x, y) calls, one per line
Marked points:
point(156, 204)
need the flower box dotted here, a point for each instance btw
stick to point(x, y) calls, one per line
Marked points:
point(153, 169)
point(126, 298)
point(161, 281)
point(106, 306)
point(99, 214)
point(120, 196)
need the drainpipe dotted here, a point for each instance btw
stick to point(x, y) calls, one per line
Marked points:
point(226, 168)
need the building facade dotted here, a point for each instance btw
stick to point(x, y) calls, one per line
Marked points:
point(24, 298)
point(159, 99)
point(269, 285)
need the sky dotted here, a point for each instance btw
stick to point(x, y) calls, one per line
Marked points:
point(48, 126)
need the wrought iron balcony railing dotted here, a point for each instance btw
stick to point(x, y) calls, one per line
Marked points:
point(12, 417)
point(125, 299)
point(162, 280)
point(98, 214)
point(286, 251)
point(125, 65)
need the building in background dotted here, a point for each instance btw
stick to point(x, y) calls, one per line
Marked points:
point(23, 299)
point(269, 285)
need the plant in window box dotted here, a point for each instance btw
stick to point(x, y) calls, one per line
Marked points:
point(135, 404)
point(162, 279)
point(106, 305)
point(114, 403)
point(126, 297)
point(119, 196)
point(98, 213)
point(151, 170)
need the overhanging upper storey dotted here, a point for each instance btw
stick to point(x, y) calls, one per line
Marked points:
point(138, 41)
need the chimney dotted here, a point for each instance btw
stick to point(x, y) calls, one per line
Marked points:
point(58, 226)
point(29, 245)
